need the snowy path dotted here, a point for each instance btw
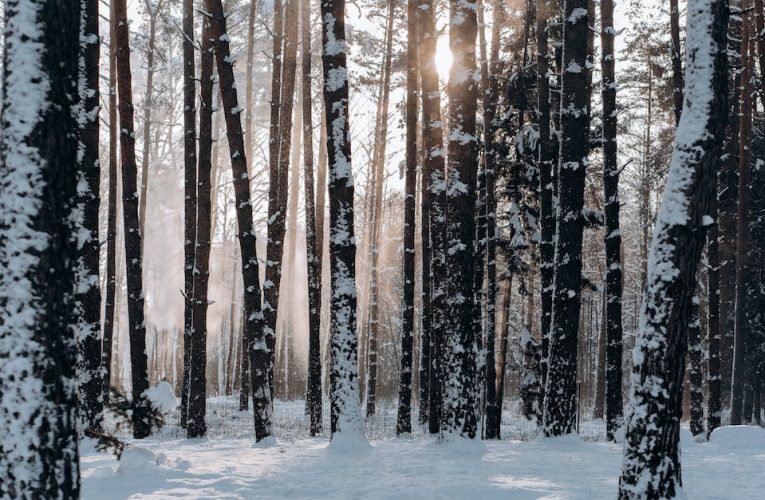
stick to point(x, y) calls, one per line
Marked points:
point(559, 468)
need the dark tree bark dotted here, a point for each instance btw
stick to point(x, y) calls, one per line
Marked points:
point(38, 250)
point(460, 353)
point(313, 387)
point(714, 402)
point(613, 236)
point(190, 196)
point(253, 328)
point(560, 389)
point(249, 85)
point(759, 25)
point(695, 370)
point(657, 381)
point(88, 294)
point(504, 337)
point(195, 425)
point(404, 421)
point(111, 219)
point(546, 181)
point(490, 91)
point(434, 205)
point(677, 63)
point(346, 414)
point(133, 259)
point(740, 375)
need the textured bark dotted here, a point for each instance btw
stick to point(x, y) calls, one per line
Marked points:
point(434, 204)
point(313, 265)
point(695, 370)
point(253, 328)
point(651, 467)
point(195, 424)
point(677, 63)
point(111, 220)
point(740, 371)
point(345, 413)
point(88, 294)
point(613, 236)
point(133, 259)
point(404, 421)
point(490, 91)
point(714, 402)
point(460, 356)
point(38, 250)
point(190, 196)
point(560, 388)
point(504, 337)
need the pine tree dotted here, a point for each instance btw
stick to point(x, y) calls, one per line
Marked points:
point(695, 370)
point(39, 455)
point(346, 414)
point(88, 295)
point(136, 324)
point(678, 238)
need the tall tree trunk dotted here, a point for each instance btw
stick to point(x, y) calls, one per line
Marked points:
point(107, 344)
point(253, 329)
point(460, 391)
point(195, 425)
point(613, 235)
point(190, 196)
point(434, 204)
point(38, 250)
point(678, 238)
point(346, 414)
point(249, 86)
point(695, 371)
point(677, 63)
point(88, 294)
point(313, 264)
point(560, 389)
point(133, 258)
point(378, 164)
point(740, 371)
point(546, 181)
point(504, 337)
point(404, 421)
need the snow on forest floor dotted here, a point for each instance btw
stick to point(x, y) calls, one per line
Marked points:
point(731, 466)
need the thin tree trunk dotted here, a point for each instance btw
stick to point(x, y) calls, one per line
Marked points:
point(677, 63)
point(740, 369)
point(714, 401)
point(253, 329)
point(195, 425)
point(249, 86)
point(133, 259)
point(656, 393)
point(190, 196)
point(695, 372)
point(460, 391)
point(613, 235)
point(148, 103)
point(560, 389)
point(88, 294)
point(346, 414)
point(107, 344)
point(404, 420)
point(504, 336)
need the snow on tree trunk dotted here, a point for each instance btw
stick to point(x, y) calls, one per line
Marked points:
point(613, 235)
point(195, 423)
point(695, 370)
point(190, 196)
point(651, 465)
point(38, 250)
point(313, 388)
point(253, 329)
point(404, 420)
point(460, 353)
point(133, 259)
point(88, 294)
point(714, 401)
point(560, 384)
point(434, 205)
point(346, 417)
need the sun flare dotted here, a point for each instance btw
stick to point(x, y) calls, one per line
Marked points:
point(443, 58)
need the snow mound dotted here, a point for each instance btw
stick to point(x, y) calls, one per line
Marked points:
point(266, 442)
point(733, 437)
point(348, 443)
point(135, 459)
point(161, 397)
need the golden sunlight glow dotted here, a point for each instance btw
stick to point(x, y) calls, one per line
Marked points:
point(443, 58)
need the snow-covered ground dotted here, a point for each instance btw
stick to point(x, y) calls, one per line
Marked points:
point(731, 466)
